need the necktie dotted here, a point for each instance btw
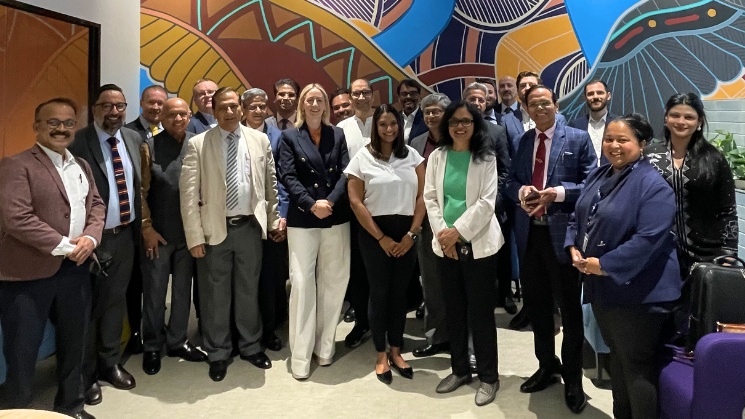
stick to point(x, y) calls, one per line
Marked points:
point(539, 169)
point(507, 110)
point(231, 172)
point(121, 181)
point(283, 124)
point(518, 114)
point(154, 129)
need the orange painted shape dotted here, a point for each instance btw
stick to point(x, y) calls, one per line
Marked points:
point(180, 9)
point(472, 44)
point(394, 14)
point(213, 7)
point(280, 16)
point(335, 69)
point(733, 90)
point(246, 26)
point(298, 41)
point(326, 39)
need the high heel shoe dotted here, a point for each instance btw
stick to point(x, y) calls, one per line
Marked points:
point(407, 372)
point(385, 377)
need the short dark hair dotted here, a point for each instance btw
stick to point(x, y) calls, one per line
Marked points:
point(289, 82)
point(593, 81)
point(486, 80)
point(399, 145)
point(338, 92)
point(156, 87)
point(524, 74)
point(221, 91)
point(480, 145)
point(531, 89)
point(106, 88)
point(408, 83)
point(639, 125)
point(59, 100)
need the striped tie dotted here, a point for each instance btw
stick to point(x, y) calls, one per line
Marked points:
point(231, 172)
point(121, 181)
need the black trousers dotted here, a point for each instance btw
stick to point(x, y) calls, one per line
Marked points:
point(504, 265)
point(389, 279)
point(468, 287)
point(109, 305)
point(634, 336)
point(135, 291)
point(275, 269)
point(358, 288)
point(25, 306)
point(545, 281)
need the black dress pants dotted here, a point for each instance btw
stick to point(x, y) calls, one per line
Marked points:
point(468, 287)
point(545, 281)
point(504, 265)
point(358, 288)
point(65, 298)
point(275, 270)
point(135, 291)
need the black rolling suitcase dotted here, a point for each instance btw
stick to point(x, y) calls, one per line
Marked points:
point(717, 295)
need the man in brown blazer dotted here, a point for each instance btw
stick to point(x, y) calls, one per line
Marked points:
point(51, 219)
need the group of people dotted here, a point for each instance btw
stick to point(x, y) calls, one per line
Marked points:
point(235, 201)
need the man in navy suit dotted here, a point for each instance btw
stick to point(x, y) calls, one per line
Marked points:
point(507, 89)
point(477, 94)
point(597, 97)
point(204, 119)
point(546, 176)
point(409, 94)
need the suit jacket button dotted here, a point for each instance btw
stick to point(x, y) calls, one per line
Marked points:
point(302, 159)
point(331, 169)
point(67, 215)
point(312, 171)
point(315, 185)
point(328, 184)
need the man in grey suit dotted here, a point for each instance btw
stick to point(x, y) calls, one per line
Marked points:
point(113, 152)
point(228, 194)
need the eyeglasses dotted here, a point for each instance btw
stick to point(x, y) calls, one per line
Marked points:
point(433, 112)
point(413, 94)
point(254, 108)
point(54, 123)
point(357, 93)
point(540, 104)
point(464, 122)
point(107, 107)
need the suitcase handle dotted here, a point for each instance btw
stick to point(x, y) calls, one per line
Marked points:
point(726, 259)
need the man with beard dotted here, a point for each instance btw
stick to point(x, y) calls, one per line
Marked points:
point(597, 97)
point(113, 151)
point(408, 97)
point(341, 105)
point(204, 119)
point(508, 95)
point(165, 253)
point(285, 98)
point(51, 217)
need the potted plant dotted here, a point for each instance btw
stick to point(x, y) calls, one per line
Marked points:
point(724, 141)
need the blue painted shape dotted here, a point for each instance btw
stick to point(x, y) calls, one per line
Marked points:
point(415, 30)
point(592, 22)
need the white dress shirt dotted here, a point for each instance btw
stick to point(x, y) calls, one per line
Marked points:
point(76, 187)
point(356, 132)
point(408, 123)
point(560, 193)
point(113, 217)
point(596, 129)
point(527, 122)
point(244, 173)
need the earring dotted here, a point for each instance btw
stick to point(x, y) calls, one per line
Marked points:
point(699, 128)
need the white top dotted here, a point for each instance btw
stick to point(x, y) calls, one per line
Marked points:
point(356, 132)
point(76, 188)
point(113, 218)
point(390, 186)
point(596, 129)
point(527, 122)
point(244, 173)
point(408, 123)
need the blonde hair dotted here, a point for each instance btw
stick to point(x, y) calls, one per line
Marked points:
point(325, 118)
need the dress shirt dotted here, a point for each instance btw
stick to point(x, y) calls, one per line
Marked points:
point(491, 116)
point(560, 193)
point(76, 187)
point(596, 129)
point(408, 123)
point(244, 173)
point(113, 216)
point(528, 123)
point(513, 107)
point(356, 132)
point(149, 132)
point(275, 120)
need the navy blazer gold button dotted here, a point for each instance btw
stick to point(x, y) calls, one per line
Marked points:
point(315, 185)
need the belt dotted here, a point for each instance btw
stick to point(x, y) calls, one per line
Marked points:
point(238, 220)
point(540, 221)
point(116, 230)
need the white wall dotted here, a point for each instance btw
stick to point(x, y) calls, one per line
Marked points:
point(120, 38)
point(727, 115)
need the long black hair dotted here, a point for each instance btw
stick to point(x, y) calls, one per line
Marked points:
point(700, 150)
point(480, 145)
point(399, 144)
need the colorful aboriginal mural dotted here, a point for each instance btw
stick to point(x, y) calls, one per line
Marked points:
point(644, 50)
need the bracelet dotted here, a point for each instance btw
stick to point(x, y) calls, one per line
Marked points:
point(381, 238)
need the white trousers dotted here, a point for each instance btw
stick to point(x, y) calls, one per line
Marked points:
point(319, 273)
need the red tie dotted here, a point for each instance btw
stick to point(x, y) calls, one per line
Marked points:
point(539, 169)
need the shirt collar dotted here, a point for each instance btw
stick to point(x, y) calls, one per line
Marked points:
point(104, 136)
point(145, 123)
point(411, 116)
point(224, 133)
point(549, 132)
point(57, 158)
point(602, 118)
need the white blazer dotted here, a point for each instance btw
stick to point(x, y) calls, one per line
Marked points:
point(203, 191)
point(478, 224)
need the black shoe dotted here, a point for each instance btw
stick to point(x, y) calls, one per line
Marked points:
point(188, 352)
point(520, 321)
point(259, 359)
point(575, 397)
point(93, 395)
point(541, 379)
point(420, 311)
point(407, 372)
point(357, 336)
point(151, 362)
point(509, 306)
point(84, 415)
point(385, 377)
point(349, 316)
point(118, 377)
point(429, 350)
point(218, 370)
point(134, 346)
point(273, 343)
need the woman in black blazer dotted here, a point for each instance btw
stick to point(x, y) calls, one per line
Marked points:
point(312, 159)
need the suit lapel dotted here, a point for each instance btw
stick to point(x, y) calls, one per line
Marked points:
point(133, 150)
point(529, 139)
point(95, 148)
point(213, 142)
point(557, 145)
point(47, 162)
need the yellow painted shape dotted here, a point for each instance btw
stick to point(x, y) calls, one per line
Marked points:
point(365, 27)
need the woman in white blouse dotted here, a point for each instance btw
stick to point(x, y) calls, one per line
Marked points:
point(466, 240)
point(385, 184)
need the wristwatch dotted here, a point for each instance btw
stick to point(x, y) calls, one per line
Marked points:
point(412, 235)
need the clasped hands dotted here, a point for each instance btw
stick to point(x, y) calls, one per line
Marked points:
point(396, 249)
point(588, 266)
point(448, 238)
point(322, 208)
point(83, 248)
point(532, 200)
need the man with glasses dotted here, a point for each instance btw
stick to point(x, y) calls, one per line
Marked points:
point(546, 177)
point(285, 98)
point(113, 151)
point(51, 217)
point(409, 94)
point(204, 119)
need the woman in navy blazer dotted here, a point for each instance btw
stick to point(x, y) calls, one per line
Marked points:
point(620, 239)
point(312, 159)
